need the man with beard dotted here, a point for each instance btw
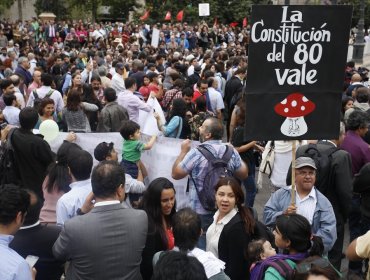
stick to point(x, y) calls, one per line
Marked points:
point(192, 162)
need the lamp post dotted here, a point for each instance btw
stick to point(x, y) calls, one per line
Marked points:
point(359, 45)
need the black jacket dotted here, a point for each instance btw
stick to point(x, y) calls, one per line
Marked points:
point(33, 156)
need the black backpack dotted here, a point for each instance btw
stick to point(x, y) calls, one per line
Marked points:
point(37, 101)
point(217, 168)
point(8, 165)
point(322, 160)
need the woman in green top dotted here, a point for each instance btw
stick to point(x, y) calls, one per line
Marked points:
point(294, 237)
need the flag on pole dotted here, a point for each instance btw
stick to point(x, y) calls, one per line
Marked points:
point(168, 16)
point(180, 15)
point(145, 16)
point(215, 22)
point(245, 22)
point(233, 24)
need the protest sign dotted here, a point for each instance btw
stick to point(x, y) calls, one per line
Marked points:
point(147, 121)
point(296, 63)
point(155, 38)
point(204, 9)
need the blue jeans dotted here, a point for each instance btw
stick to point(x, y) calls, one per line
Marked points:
point(250, 186)
point(206, 220)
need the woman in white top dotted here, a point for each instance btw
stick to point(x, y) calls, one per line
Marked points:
point(232, 229)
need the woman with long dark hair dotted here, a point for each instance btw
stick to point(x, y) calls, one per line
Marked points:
point(176, 126)
point(293, 235)
point(57, 180)
point(232, 229)
point(159, 202)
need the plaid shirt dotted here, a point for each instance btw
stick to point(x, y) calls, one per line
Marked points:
point(196, 164)
point(169, 96)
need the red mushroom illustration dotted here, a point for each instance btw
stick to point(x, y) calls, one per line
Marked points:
point(294, 108)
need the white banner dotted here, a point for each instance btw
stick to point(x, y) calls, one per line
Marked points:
point(158, 161)
point(204, 10)
point(147, 121)
point(155, 38)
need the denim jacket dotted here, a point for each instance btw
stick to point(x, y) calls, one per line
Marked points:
point(323, 224)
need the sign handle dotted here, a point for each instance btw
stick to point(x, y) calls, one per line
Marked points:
point(293, 172)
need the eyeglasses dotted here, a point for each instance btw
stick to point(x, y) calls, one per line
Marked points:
point(306, 173)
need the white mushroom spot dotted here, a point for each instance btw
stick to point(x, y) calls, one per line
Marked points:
point(284, 101)
point(304, 99)
point(303, 108)
point(294, 103)
point(286, 110)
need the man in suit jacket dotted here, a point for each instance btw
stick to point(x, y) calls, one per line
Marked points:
point(107, 242)
point(339, 192)
point(36, 239)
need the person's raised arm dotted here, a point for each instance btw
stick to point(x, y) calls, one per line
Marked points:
point(177, 171)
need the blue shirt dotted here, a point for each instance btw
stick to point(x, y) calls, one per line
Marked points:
point(13, 266)
point(68, 204)
point(195, 164)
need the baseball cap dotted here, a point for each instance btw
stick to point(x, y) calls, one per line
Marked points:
point(305, 161)
point(103, 150)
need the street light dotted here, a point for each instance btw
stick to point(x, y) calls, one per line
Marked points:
point(359, 45)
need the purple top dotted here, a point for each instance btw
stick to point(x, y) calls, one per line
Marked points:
point(359, 150)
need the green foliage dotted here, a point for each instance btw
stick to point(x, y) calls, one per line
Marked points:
point(121, 9)
point(56, 7)
point(356, 11)
point(226, 11)
point(5, 4)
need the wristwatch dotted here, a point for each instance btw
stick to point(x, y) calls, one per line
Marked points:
point(79, 212)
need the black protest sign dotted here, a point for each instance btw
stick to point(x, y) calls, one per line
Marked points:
point(296, 63)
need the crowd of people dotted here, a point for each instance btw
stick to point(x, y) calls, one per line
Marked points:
point(81, 221)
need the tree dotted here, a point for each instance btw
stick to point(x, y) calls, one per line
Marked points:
point(5, 4)
point(87, 5)
point(225, 10)
point(356, 11)
point(121, 9)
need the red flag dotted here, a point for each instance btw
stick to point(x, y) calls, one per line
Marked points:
point(168, 16)
point(233, 24)
point(180, 15)
point(215, 23)
point(145, 16)
point(245, 22)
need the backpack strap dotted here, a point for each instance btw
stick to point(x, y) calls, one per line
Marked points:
point(49, 93)
point(209, 156)
point(35, 95)
point(284, 269)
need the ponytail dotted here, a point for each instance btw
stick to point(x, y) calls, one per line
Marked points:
point(247, 218)
point(317, 246)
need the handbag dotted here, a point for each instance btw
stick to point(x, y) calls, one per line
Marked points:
point(267, 162)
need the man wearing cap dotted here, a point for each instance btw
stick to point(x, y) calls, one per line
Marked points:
point(309, 202)
point(118, 83)
point(105, 151)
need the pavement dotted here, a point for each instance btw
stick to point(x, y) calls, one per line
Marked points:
point(262, 197)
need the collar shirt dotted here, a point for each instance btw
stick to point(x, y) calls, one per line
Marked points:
point(13, 266)
point(215, 229)
point(68, 204)
point(306, 205)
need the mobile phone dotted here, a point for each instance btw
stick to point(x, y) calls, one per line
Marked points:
point(31, 260)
